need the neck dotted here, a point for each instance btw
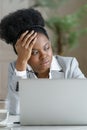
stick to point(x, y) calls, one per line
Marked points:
point(43, 75)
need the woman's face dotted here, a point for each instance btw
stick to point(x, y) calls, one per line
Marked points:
point(41, 56)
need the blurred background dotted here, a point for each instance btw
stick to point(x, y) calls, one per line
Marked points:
point(66, 23)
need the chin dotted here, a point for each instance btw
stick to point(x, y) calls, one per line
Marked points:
point(43, 70)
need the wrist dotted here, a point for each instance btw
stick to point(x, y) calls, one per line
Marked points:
point(20, 65)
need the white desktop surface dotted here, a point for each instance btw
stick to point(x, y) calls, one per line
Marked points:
point(12, 126)
point(50, 128)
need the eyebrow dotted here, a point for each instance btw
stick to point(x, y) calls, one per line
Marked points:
point(43, 46)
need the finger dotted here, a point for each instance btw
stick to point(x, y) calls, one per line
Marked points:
point(33, 42)
point(27, 37)
point(30, 40)
point(23, 35)
point(17, 42)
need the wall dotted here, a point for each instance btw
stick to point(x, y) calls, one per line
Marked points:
point(80, 52)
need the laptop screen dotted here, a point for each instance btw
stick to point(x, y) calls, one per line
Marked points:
point(53, 102)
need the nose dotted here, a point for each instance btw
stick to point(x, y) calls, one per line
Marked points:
point(43, 55)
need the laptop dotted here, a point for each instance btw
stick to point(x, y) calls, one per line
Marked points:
point(53, 102)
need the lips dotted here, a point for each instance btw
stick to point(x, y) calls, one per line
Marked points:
point(44, 63)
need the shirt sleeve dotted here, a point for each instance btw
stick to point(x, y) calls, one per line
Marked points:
point(22, 74)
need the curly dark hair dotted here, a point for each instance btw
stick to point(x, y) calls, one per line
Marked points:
point(15, 23)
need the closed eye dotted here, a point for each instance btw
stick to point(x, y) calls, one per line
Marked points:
point(47, 47)
point(34, 52)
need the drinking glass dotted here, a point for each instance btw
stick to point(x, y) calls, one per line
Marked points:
point(3, 112)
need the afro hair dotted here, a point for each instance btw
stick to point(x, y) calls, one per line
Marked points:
point(15, 23)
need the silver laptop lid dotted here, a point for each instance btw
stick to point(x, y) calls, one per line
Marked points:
point(53, 102)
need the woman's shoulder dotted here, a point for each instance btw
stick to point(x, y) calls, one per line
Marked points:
point(65, 60)
point(12, 65)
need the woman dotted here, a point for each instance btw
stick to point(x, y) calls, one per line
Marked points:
point(24, 30)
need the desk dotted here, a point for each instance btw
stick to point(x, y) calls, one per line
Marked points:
point(12, 126)
point(51, 128)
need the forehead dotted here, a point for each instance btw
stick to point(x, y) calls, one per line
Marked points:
point(41, 41)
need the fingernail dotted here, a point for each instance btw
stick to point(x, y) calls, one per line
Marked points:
point(32, 31)
point(27, 31)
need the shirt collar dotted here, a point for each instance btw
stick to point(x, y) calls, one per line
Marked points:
point(29, 68)
point(55, 65)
